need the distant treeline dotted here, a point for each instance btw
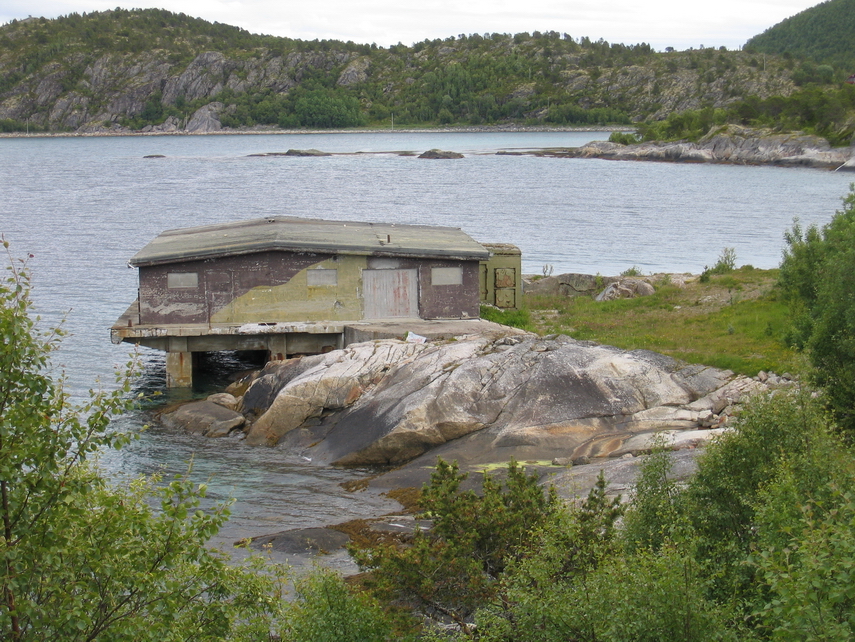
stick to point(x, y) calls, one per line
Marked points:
point(543, 78)
point(824, 33)
point(814, 110)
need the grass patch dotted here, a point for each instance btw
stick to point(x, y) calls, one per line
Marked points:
point(733, 321)
point(515, 318)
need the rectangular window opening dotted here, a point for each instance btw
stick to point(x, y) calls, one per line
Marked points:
point(179, 280)
point(321, 278)
point(446, 276)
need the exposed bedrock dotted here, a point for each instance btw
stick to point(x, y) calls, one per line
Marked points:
point(731, 144)
point(388, 401)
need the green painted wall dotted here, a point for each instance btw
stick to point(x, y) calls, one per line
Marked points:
point(297, 301)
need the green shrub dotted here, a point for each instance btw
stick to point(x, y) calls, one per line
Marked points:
point(455, 567)
point(624, 138)
point(817, 278)
point(81, 559)
point(326, 610)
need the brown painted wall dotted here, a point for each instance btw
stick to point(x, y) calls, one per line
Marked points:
point(440, 301)
point(222, 281)
point(450, 301)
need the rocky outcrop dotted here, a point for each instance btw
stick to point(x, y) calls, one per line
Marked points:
point(389, 401)
point(115, 87)
point(440, 154)
point(206, 119)
point(303, 389)
point(602, 288)
point(732, 144)
point(207, 418)
point(355, 72)
point(625, 288)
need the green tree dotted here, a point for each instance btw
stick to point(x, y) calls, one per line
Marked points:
point(451, 569)
point(818, 279)
point(325, 108)
point(326, 610)
point(79, 558)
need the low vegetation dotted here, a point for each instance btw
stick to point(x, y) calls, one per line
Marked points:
point(734, 320)
point(824, 108)
point(756, 545)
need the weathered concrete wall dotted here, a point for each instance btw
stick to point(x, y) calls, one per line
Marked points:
point(218, 282)
point(274, 287)
point(332, 295)
point(449, 301)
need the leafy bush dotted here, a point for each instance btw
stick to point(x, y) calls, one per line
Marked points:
point(624, 138)
point(653, 514)
point(80, 559)
point(725, 265)
point(326, 610)
point(809, 579)
point(453, 568)
point(817, 278)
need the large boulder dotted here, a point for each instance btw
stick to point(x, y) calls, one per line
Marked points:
point(314, 384)
point(570, 284)
point(625, 288)
point(387, 402)
point(207, 418)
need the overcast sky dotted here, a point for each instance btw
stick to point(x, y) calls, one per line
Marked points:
point(662, 23)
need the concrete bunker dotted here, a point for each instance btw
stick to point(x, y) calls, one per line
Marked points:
point(291, 286)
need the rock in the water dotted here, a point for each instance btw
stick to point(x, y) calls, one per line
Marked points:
point(225, 400)
point(205, 418)
point(306, 152)
point(302, 540)
point(438, 153)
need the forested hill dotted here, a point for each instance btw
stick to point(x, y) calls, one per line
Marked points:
point(825, 33)
point(122, 70)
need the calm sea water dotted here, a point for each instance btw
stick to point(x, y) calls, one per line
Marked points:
point(83, 206)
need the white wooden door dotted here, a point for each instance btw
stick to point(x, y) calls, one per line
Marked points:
point(391, 293)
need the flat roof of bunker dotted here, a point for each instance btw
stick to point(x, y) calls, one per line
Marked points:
point(294, 234)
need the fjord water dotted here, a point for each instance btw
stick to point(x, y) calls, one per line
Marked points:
point(83, 206)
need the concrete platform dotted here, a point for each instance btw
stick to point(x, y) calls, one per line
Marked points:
point(282, 339)
point(359, 331)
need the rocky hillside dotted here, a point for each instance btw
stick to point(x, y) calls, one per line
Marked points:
point(153, 70)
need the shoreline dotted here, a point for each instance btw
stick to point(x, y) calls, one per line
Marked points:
point(743, 146)
point(480, 129)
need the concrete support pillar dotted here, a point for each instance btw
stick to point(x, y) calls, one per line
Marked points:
point(277, 346)
point(179, 369)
